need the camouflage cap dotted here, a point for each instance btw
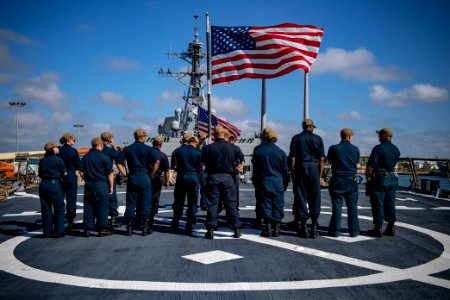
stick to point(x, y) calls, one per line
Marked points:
point(107, 136)
point(346, 132)
point(68, 136)
point(158, 140)
point(218, 130)
point(386, 131)
point(186, 137)
point(193, 139)
point(273, 136)
point(96, 141)
point(50, 145)
point(308, 122)
point(140, 132)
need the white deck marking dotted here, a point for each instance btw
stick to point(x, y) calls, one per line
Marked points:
point(212, 257)
point(400, 207)
point(440, 208)
point(345, 237)
point(23, 214)
point(406, 199)
point(386, 274)
point(22, 195)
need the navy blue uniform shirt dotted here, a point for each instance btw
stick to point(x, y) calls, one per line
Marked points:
point(163, 162)
point(51, 167)
point(306, 147)
point(384, 157)
point(187, 159)
point(71, 158)
point(173, 159)
point(97, 166)
point(112, 153)
point(139, 156)
point(239, 154)
point(343, 158)
point(270, 161)
point(220, 157)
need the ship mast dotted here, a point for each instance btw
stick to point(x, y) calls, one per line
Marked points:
point(193, 56)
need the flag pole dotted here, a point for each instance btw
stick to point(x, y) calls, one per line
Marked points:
point(306, 98)
point(208, 75)
point(263, 105)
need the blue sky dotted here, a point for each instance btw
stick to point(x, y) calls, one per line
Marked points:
point(381, 64)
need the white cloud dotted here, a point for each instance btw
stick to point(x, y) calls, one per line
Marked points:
point(11, 36)
point(358, 64)
point(9, 62)
point(121, 64)
point(62, 116)
point(114, 99)
point(44, 89)
point(428, 93)
point(352, 115)
point(229, 106)
point(168, 97)
point(420, 92)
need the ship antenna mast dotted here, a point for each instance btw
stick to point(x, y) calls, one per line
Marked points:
point(192, 77)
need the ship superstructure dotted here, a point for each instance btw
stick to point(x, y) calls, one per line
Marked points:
point(185, 120)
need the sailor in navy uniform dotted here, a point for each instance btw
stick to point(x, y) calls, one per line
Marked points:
point(271, 178)
point(258, 204)
point(179, 188)
point(157, 180)
point(344, 158)
point(383, 179)
point(307, 160)
point(142, 161)
point(201, 144)
point(72, 162)
point(99, 185)
point(51, 172)
point(239, 166)
point(219, 159)
point(109, 149)
point(188, 171)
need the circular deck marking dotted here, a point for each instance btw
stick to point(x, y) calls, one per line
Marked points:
point(9, 263)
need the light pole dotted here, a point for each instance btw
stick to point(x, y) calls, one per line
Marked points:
point(17, 105)
point(78, 127)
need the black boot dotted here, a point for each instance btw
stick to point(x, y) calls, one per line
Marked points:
point(237, 233)
point(302, 232)
point(313, 232)
point(130, 228)
point(188, 228)
point(266, 230)
point(390, 229)
point(375, 232)
point(209, 234)
point(86, 233)
point(105, 232)
point(174, 225)
point(276, 229)
point(70, 226)
point(114, 223)
point(146, 228)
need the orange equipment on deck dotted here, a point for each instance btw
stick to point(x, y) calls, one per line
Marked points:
point(6, 169)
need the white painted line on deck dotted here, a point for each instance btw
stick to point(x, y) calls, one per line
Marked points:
point(10, 264)
point(23, 214)
point(212, 257)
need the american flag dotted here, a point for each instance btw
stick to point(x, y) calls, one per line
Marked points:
point(203, 124)
point(262, 52)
